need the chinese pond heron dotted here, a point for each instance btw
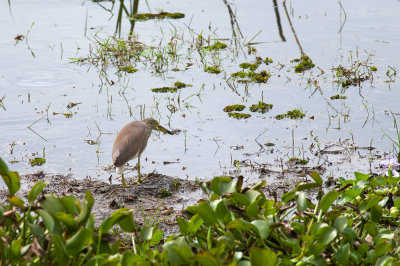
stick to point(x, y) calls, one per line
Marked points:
point(130, 143)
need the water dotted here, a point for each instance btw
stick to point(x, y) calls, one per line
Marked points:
point(36, 87)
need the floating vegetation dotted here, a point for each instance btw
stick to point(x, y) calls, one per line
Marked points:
point(298, 161)
point(251, 67)
point(180, 85)
point(71, 105)
point(67, 115)
point(216, 46)
point(246, 77)
point(162, 15)
point(177, 85)
point(91, 142)
point(294, 114)
point(37, 161)
point(373, 68)
point(239, 115)
point(338, 97)
point(213, 70)
point(127, 69)
point(164, 89)
point(261, 107)
point(164, 193)
point(268, 61)
point(304, 63)
point(235, 107)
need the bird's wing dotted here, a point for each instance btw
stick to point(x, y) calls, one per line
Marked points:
point(130, 141)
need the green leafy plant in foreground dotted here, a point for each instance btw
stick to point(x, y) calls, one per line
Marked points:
point(356, 223)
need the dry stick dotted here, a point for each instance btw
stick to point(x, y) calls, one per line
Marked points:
point(278, 20)
point(30, 127)
point(294, 32)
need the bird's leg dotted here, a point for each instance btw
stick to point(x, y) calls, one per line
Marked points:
point(123, 180)
point(138, 169)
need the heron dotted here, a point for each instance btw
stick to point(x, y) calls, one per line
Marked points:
point(130, 143)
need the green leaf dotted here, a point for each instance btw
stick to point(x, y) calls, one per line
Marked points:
point(87, 208)
point(301, 201)
point(12, 181)
point(127, 223)
point(36, 229)
point(70, 203)
point(3, 168)
point(59, 248)
point(307, 186)
point(252, 195)
point(239, 199)
point(342, 254)
point(326, 234)
point(207, 214)
point(147, 232)
point(35, 191)
point(52, 204)
point(317, 178)
point(240, 224)
point(385, 261)
point(260, 256)
point(16, 248)
point(17, 202)
point(341, 223)
point(205, 258)
point(349, 234)
point(178, 252)
point(376, 213)
point(78, 241)
point(262, 228)
point(328, 199)
point(67, 219)
point(156, 238)
point(371, 228)
point(50, 223)
point(361, 176)
point(215, 184)
point(114, 218)
point(288, 196)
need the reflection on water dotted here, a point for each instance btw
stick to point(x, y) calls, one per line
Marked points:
point(36, 92)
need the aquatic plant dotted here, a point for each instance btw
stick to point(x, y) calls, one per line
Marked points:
point(162, 15)
point(235, 107)
point(251, 67)
point(213, 70)
point(216, 46)
point(261, 107)
point(337, 97)
point(127, 69)
point(37, 161)
point(164, 89)
point(293, 114)
point(298, 161)
point(239, 115)
point(304, 63)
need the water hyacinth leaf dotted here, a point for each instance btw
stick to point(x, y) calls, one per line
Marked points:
point(70, 204)
point(67, 219)
point(376, 213)
point(301, 201)
point(129, 258)
point(299, 228)
point(288, 196)
point(259, 185)
point(35, 191)
point(307, 186)
point(36, 229)
point(349, 195)
point(252, 195)
point(205, 258)
point(3, 167)
point(215, 184)
point(384, 235)
point(12, 181)
point(317, 226)
point(341, 223)
point(87, 208)
point(349, 234)
point(240, 224)
point(326, 234)
point(52, 204)
point(328, 199)
point(147, 232)
point(260, 256)
point(16, 248)
point(127, 223)
point(244, 263)
point(378, 181)
point(17, 202)
point(361, 176)
point(50, 223)
point(317, 178)
point(237, 256)
point(371, 228)
point(59, 248)
point(262, 228)
point(78, 242)
point(117, 216)
point(178, 252)
point(222, 212)
point(269, 208)
point(385, 260)
point(156, 238)
point(207, 214)
point(342, 254)
point(239, 199)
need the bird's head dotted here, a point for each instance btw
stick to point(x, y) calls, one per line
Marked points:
point(154, 125)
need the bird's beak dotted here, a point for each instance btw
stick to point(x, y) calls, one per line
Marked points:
point(160, 128)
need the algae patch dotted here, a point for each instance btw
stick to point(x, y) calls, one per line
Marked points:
point(246, 77)
point(162, 15)
point(338, 97)
point(293, 114)
point(37, 161)
point(127, 69)
point(177, 85)
point(235, 107)
point(298, 161)
point(216, 46)
point(261, 107)
point(304, 63)
point(213, 70)
point(239, 115)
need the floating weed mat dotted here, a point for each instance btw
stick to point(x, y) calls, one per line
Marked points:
point(304, 63)
point(161, 15)
point(293, 114)
point(235, 107)
point(177, 85)
point(356, 222)
point(261, 107)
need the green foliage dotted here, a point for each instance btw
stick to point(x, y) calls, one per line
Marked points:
point(293, 114)
point(357, 223)
point(261, 107)
point(37, 161)
point(161, 15)
point(239, 115)
point(127, 69)
point(234, 107)
point(217, 46)
point(304, 63)
point(213, 70)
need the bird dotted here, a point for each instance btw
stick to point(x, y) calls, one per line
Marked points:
point(130, 143)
